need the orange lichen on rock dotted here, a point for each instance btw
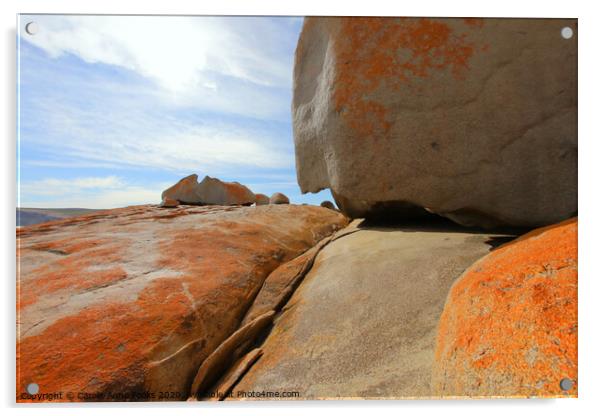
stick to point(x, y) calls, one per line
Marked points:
point(474, 21)
point(127, 306)
point(236, 191)
point(388, 53)
point(73, 267)
point(509, 327)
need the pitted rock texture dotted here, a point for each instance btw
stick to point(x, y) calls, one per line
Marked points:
point(362, 323)
point(509, 327)
point(472, 119)
point(132, 300)
point(211, 191)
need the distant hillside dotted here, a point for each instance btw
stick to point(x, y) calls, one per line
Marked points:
point(29, 216)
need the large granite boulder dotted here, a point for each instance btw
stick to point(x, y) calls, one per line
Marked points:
point(509, 327)
point(363, 321)
point(211, 191)
point(473, 119)
point(127, 303)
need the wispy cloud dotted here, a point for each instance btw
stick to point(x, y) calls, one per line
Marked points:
point(54, 186)
point(141, 138)
point(131, 195)
point(88, 192)
point(178, 52)
point(146, 100)
point(102, 115)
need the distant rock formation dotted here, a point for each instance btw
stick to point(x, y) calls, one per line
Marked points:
point(133, 300)
point(210, 191)
point(261, 199)
point(472, 119)
point(279, 198)
point(185, 191)
point(509, 327)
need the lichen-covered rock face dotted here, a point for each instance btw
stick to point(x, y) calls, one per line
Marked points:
point(509, 327)
point(211, 191)
point(473, 119)
point(127, 302)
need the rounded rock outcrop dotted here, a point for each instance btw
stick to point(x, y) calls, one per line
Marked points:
point(133, 314)
point(509, 326)
point(261, 199)
point(279, 198)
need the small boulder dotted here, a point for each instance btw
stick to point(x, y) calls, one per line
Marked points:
point(279, 198)
point(261, 199)
point(169, 203)
point(328, 204)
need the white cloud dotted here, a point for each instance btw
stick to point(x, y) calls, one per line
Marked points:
point(54, 186)
point(95, 117)
point(182, 54)
point(134, 138)
point(88, 192)
point(131, 195)
point(206, 95)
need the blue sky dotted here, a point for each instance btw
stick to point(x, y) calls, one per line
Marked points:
point(114, 109)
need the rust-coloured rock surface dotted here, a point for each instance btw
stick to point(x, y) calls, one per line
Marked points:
point(210, 191)
point(509, 327)
point(184, 191)
point(279, 198)
point(126, 304)
point(473, 119)
point(262, 199)
point(169, 203)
